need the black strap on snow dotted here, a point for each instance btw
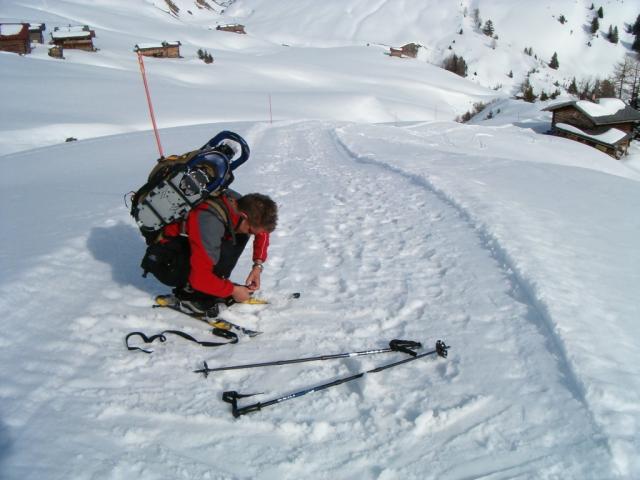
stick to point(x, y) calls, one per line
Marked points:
point(233, 338)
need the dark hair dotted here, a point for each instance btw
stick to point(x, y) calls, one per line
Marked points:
point(261, 211)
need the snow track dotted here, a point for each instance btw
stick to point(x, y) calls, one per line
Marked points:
point(377, 255)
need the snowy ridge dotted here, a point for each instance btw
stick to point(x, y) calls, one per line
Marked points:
point(290, 63)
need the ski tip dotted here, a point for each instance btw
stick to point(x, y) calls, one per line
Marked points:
point(164, 300)
point(255, 301)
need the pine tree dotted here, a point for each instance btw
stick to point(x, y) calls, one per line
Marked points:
point(456, 65)
point(636, 44)
point(595, 25)
point(606, 89)
point(600, 13)
point(554, 61)
point(636, 27)
point(510, 74)
point(477, 21)
point(488, 28)
point(562, 19)
point(527, 92)
point(613, 34)
point(573, 87)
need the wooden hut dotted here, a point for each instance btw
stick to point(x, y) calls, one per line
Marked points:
point(36, 32)
point(159, 50)
point(56, 51)
point(14, 37)
point(232, 27)
point(608, 125)
point(74, 37)
point(409, 50)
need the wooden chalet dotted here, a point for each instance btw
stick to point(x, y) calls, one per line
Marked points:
point(74, 37)
point(159, 50)
point(409, 50)
point(56, 51)
point(232, 27)
point(36, 32)
point(608, 125)
point(14, 37)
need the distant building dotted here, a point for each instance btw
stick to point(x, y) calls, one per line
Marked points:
point(232, 27)
point(159, 50)
point(409, 50)
point(74, 37)
point(55, 51)
point(14, 37)
point(36, 32)
point(608, 125)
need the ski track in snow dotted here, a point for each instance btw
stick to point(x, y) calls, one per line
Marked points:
point(377, 256)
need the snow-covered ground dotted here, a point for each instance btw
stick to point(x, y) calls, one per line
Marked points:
point(526, 267)
point(516, 248)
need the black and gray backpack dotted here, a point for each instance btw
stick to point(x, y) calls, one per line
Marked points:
point(176, 185)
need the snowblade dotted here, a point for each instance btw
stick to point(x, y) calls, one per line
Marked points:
point(267, 301)
point(168, 301)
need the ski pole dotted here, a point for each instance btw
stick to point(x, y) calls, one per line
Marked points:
point(404, 346)
point(233, 396)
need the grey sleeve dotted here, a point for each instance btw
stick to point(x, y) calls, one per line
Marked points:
point(211, 234)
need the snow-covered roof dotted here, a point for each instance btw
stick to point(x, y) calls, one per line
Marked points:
point(606, 106)
point(9, 29)
point(606, 111)
point(71, 31)
point(79, 34)
point(72, 28)
point(609, 137)
point(144, 46)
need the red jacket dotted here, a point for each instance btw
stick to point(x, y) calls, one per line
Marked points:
point(206, 232)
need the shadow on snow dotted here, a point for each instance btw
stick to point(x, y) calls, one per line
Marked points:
point(122, 247)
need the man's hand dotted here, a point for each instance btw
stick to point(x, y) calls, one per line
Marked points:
point(241, 293)
point(253, 280)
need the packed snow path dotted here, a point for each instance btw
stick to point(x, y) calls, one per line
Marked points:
point(377, 255)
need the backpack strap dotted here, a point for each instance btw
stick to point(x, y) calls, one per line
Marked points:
point(222, 212)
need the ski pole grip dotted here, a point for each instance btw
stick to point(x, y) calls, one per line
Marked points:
point(248, 409)
point(405, 346)
point(232, 398)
